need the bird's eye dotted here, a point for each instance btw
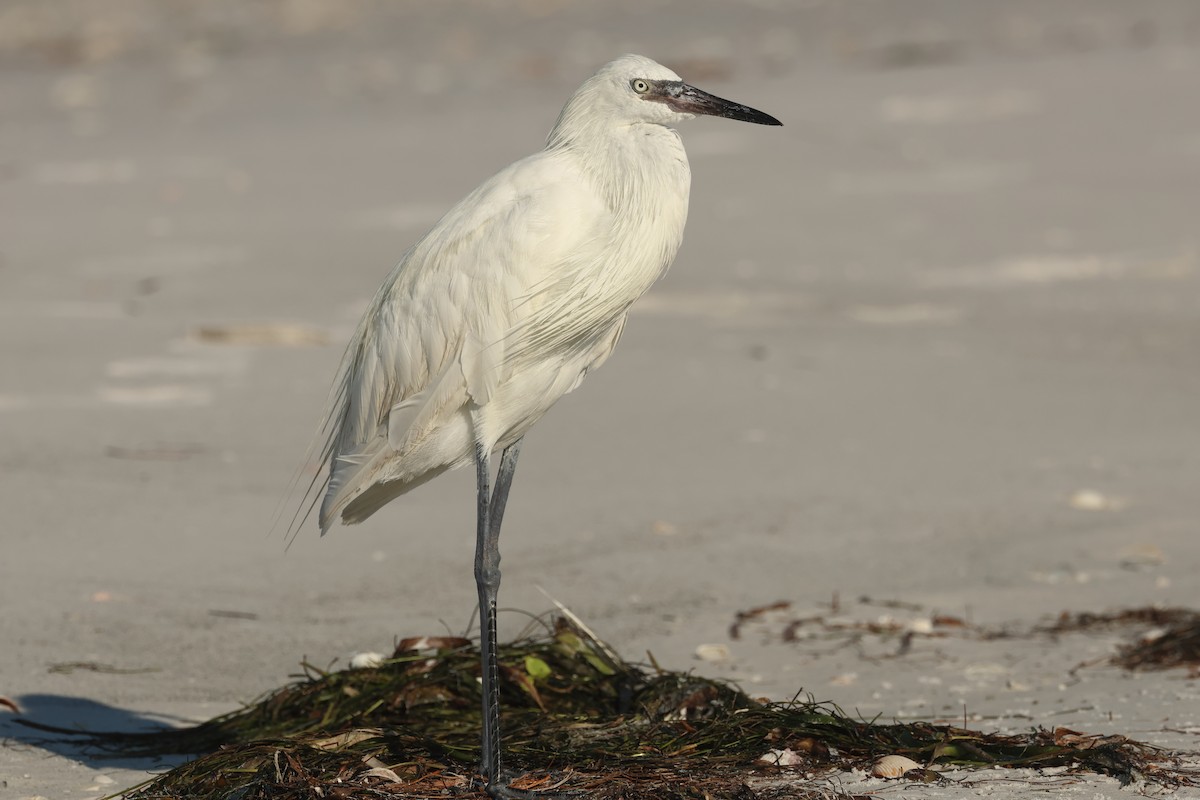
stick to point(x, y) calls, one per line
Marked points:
point(640, 86)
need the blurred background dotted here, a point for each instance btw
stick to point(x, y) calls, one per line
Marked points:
point(937, 339)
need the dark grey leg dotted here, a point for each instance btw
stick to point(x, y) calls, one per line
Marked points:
point(508, 466)
point(490, 510)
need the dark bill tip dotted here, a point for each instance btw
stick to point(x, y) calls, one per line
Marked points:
point(689, 100)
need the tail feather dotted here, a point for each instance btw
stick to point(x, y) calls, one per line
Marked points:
point(351, 476)
point(377, 495)
point(363, 480)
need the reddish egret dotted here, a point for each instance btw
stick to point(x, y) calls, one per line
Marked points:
point(505, 305)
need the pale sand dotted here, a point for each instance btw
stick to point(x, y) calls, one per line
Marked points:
point(907, 335)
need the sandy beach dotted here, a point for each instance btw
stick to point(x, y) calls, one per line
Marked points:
point(935, 343)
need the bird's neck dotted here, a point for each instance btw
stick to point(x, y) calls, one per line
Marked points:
point(632, 166)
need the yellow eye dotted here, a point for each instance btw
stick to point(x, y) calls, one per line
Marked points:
point(640, 86)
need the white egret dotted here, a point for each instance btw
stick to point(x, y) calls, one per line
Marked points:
point(504, 307)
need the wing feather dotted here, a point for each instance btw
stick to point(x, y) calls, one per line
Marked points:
point(443, 328)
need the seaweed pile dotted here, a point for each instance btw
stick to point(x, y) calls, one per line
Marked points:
point(576, 720)
point(1172, 641)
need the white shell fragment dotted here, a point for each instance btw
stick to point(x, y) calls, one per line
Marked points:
point(1092, 500)
point(366, 660)
point(893, 766)
point(782, 758)
point(712, 652)
point(845, 679)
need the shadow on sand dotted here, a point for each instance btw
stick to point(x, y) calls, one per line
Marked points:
point(75, 727)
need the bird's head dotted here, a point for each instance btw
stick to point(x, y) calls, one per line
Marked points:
point(634, 89)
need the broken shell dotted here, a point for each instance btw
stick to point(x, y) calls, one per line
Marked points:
point(429, 644)
point(1092, 500)
point(366, 660)
point(893, 766)
point(782, 758)
point(713, 652)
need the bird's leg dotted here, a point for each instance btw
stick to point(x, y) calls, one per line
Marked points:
point(508, 466)
point(487, 580)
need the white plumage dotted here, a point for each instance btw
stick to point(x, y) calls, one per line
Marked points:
point(504, 307)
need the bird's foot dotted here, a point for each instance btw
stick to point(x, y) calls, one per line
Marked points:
point(502, 789)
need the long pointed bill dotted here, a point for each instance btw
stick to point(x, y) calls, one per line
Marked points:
point(686, 99)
